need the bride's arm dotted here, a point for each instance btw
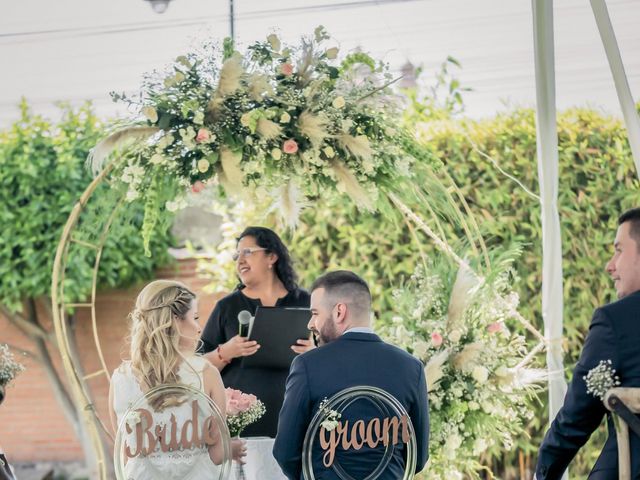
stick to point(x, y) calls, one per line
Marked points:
point(215, 389)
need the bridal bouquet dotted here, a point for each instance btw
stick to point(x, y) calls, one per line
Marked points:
point(478, 377)
point(9, 368)
point(242, 410)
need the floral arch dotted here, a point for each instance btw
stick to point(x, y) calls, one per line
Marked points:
point(295, 125)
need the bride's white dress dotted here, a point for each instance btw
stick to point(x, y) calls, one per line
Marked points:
point(191, 464)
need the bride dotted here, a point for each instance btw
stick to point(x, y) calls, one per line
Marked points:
point(164, 336)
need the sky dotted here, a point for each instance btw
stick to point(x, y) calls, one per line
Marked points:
point(74, 50)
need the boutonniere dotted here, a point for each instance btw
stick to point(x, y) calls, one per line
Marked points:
point(332, 417)
point(600, 379)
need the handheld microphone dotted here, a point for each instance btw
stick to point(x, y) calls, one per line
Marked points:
point(244, 321)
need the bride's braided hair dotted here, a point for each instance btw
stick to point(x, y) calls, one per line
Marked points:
point(155, 352)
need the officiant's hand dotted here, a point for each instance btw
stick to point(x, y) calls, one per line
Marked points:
point(238, 449)
point(239, 347)
point(303, 345)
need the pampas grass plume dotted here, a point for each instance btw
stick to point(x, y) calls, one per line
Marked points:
point(268, 129)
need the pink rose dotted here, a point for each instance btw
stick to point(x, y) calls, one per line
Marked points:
point(238, 402)
point(495, 327)
point(244, 403)
point(290, 146)
point(203, 135)
point(197, 187)
point(286, 69)
point(233, 408)
point(233, 393)
point(436, 339)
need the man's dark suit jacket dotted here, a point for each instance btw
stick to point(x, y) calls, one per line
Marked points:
point(354, 359)
point(614, 335)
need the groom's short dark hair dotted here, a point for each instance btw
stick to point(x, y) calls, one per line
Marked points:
point(348, 285)
point(633, 217)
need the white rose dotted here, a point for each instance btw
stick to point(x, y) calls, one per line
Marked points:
point(165, 141)
point(132, 195)
point(332, 53)
point(480, 374)
point(203, 165)
point(198, 118)
point(285, 118)
point(329, 151)
point(276, 154)
point(338, 102)
point(455, 336)
point(420, 348)
point(452, 444)
point(156, 159)
point(479, 446)
point(150, 113)
point(245, 119)
point(274, 41)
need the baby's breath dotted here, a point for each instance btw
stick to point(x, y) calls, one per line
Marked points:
point(600, 379)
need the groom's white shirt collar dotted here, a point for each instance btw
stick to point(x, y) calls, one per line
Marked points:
point(359, 330)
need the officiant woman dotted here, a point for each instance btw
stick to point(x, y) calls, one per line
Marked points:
point(267, 278)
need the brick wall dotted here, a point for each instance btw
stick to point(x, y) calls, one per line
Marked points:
point(32, 424)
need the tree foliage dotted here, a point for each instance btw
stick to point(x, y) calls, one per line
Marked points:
point(42, 175)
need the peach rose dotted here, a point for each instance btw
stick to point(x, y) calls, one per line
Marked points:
point(290, 146)
point(203, 135)
point(495, 327)
point(286, 69)
point(436, 339)
point(197, 187)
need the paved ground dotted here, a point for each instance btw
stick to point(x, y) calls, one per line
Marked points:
point(50, 471)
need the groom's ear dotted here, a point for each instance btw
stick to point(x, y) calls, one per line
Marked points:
point(340, 313)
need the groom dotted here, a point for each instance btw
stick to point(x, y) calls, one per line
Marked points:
point(350, 355)
point(614, 335)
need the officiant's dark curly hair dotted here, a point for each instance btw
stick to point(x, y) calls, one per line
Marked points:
point(267, 238)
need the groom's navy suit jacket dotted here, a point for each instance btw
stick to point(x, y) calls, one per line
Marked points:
point(614, 335)
point(354, 359)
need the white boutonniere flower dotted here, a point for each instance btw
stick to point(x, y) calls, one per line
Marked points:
point(601, 378)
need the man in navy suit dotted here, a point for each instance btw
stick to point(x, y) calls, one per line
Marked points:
point(614, 335)
point(350, 354)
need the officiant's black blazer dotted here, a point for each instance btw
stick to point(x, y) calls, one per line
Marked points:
point(614, 335)
point(354, 359)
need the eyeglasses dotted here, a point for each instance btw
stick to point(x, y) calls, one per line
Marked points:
point(245, 252)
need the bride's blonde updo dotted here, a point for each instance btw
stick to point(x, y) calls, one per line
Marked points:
point(155, 335)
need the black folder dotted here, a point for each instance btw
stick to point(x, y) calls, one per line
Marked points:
point(276, 329)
